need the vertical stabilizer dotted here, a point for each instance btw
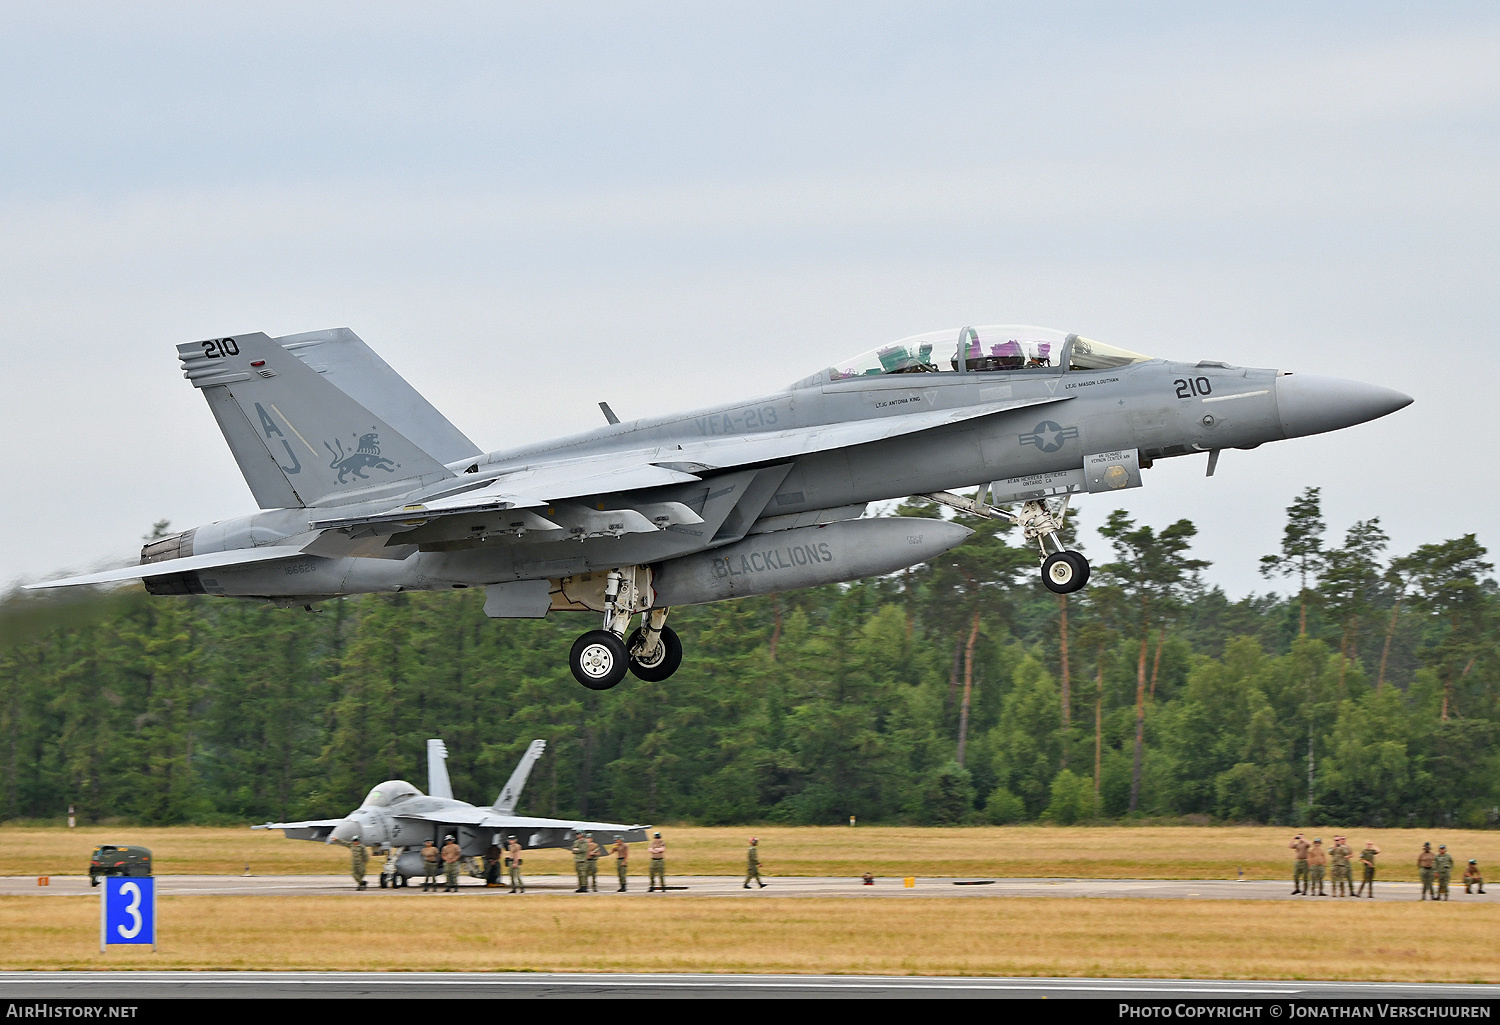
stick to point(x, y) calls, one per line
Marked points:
point(505, 804)
point(351, 366)
point(299, 440)
point(437, 770)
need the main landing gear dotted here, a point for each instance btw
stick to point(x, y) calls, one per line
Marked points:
point(1041, 520)
point(601, 658)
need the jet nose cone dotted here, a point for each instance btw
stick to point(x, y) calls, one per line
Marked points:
point(1312, 404)
point(344, 832)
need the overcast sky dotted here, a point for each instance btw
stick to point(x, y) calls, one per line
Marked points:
point(527, 208)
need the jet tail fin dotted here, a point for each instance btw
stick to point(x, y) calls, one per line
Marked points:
point(437, 770)
point(510, 794)
point(298, 439)
point(351, 366)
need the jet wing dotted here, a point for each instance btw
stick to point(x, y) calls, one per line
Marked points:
point(213, 560)
point(313, 829)
point(614, 472)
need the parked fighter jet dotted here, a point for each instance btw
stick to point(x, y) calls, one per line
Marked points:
point(398, 816)
point(365, 487)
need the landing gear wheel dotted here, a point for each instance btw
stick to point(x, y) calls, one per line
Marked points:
point(1083, 568)
point(598, 660)
point(1065, 572)
point(668, 656)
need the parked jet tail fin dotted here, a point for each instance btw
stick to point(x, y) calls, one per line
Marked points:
point(298, 439)
point(505, 804)
point(437, 770)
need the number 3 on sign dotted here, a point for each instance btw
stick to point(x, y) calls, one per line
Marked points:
point(128, 912)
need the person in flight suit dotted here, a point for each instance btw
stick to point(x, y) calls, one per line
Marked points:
point(1443, 866)
point(451, 855)
point(752, 863)
point(1367, 861)
point(1338, 858)
point(621, 851)
point(359, 857)
point(1317, 864)
point(580, 862)
point(513, 859)
point(1472, 876)
point(1424, 866)
point(591, 862)
point(658, 852)
point(1299, 866)
point(431, 859)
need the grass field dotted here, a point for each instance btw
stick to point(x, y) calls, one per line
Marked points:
point(1023, 936)
point(1107, 852)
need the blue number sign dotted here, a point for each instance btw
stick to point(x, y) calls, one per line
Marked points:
point(128, 914)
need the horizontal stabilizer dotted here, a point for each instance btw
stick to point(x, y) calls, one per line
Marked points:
point(171, 567)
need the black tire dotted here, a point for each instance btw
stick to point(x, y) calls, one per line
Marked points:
point(1083, 568)
point(669, 656)
point(1061, 573)
point(598, 660)
point(93, 880)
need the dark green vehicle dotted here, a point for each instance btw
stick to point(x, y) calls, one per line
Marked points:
point(111, 860)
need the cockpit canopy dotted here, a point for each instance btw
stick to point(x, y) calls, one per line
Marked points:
point(388, 793)
point(1007, 347)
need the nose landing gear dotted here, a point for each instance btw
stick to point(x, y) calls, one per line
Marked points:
point(1041, 520)
point(601, 658)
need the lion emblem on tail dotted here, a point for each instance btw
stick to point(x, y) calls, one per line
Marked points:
point(366, 456)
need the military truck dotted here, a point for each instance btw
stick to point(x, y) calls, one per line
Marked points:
point(118, 860)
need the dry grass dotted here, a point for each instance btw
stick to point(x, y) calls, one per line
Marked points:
point(1022, 936)
point(1108, 852)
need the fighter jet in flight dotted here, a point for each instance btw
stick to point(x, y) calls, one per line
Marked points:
point(365, 487)
point(397, 816)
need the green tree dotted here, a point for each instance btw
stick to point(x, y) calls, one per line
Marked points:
point(1301, 552)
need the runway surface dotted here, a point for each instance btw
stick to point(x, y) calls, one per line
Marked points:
point(422, 985)
point(732, 886)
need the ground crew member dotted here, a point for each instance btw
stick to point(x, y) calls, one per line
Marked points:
point(492, 865)
point(1317, 864)
point(431, 859)
point(621, 850)
point(591, 862)
point(752, 863)
point(1367, 859)
point(580, 862)
point(513, 859)
point(658, 852)
point(358, 858)
point(1443, 865)
point(1299, 867)
point(1424, 865)
point(451, 855)
point(388, 875)
point(1472, 876)
point(1338, 857)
